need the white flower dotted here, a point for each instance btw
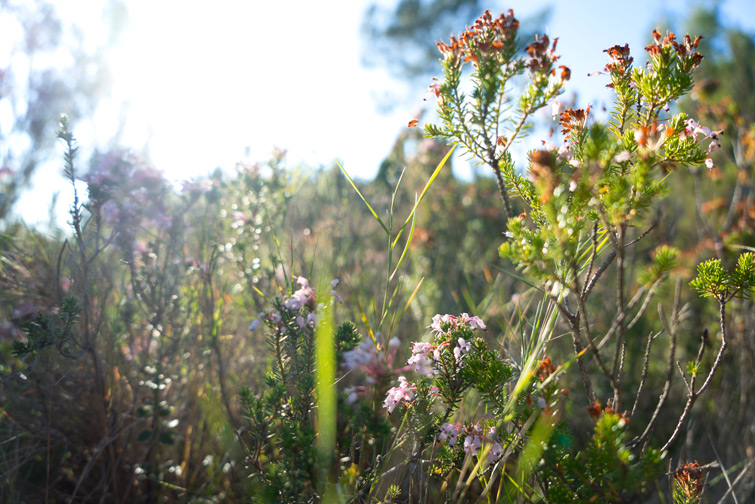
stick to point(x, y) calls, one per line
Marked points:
point(495, 452)
point(360, 356)
point(472, 445)
point(474, 322)
point(448, 430)
point(556, 108)
point(351, 392)
point(420, 347)
point(462, 348)
point(422, 364)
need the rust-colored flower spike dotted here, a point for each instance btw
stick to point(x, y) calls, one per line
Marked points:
point(487, 35)
point(610, 411)
point(595, 410)
point(541, 58)
point(571, 118)
point(689, 480)
point(542, 165)
point(655, 49)
point(620, 59)
point(546, 367)
point(687, 50)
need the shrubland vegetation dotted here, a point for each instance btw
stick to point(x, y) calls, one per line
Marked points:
point(579, 329)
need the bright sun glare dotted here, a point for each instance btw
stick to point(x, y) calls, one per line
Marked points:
point(206, 85)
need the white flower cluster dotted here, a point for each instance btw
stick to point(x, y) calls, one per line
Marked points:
point(474, 434)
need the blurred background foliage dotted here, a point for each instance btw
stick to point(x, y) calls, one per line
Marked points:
point(141, 403)
point(50, 69)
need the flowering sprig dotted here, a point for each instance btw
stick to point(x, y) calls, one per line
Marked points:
point(405, 392)
point(689, 482)
point(300, 305)
point(292, 320)
point(443, 360)
point(607, 176)
point(285, 417)
point(478, 120)
point(474, 434)
point(455, 360)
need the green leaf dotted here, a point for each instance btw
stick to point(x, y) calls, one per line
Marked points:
point(712, 279)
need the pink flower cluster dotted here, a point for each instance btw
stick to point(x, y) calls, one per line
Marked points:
point(426, 355)
point(405, 392)
point(448, 323)
point(373, 358)
point(423, 363)
point(474, 434)
point(304, 296)
point(420, 360)
point(693, 128)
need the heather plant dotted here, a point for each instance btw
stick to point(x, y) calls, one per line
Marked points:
point(190, 345)
point(583, 203)
point(585, 199)
point(119, 381)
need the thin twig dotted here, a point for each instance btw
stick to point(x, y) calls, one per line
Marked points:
point(723, 469)
point(672, 331)
point(618, 356)
point(645, 365)
point(694, 394)
point(591, 344)
point(593, 255)
point(594, 279)
point(682, 374)
point(736, 480)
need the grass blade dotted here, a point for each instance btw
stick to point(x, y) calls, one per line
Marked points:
point(374, 214)
point(424, 191)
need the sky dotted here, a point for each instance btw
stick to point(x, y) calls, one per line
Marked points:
point(204, 86)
